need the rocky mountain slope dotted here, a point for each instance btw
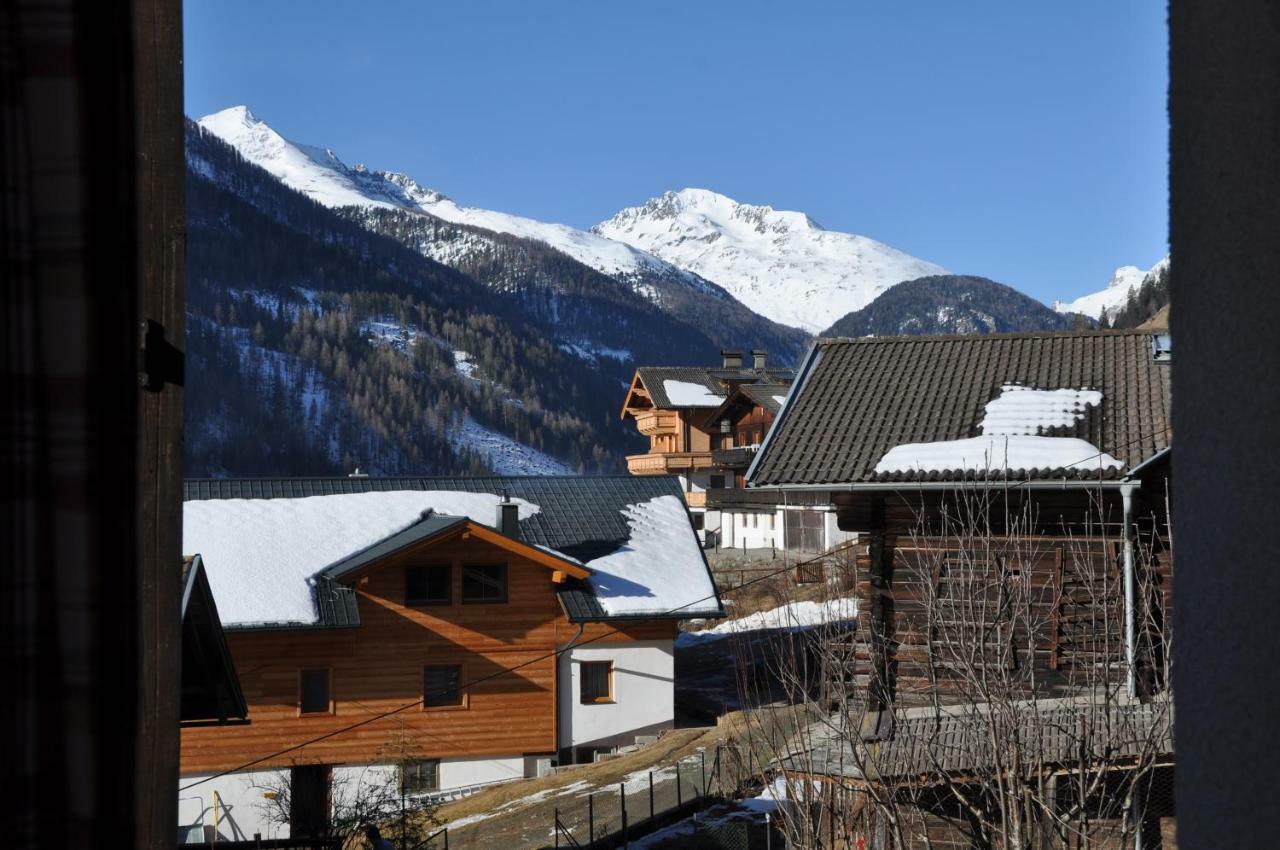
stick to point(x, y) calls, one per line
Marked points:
point(781, 264)
point(1106, 303)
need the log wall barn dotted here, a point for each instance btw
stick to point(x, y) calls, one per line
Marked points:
point(378, 666)
point(1029, 581)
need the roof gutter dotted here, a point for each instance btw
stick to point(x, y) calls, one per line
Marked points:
point(891, 486)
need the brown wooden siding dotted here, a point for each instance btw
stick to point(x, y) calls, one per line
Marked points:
point(378, 667)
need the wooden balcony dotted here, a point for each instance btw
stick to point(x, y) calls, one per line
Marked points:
point(696, 500)
point(654, 423)
point(735, 458)
point(667, 463)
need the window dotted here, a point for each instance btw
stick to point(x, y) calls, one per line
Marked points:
point(755, 520)
point(429, 585)
point(486, 583)
point(442, 686)
point(417, 777)
point(717, 482)
point(597, 681)
point(313, 692)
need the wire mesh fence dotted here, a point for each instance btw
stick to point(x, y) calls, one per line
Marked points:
point(643, 801)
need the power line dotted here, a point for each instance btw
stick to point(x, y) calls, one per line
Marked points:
point(556, 653)
point(465, 686)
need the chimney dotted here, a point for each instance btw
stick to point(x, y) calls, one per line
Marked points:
point(732, 359)
point(758, 358)
point(509, 516)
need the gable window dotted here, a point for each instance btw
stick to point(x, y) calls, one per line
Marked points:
point(597, 682)
point(442, 686)
point(418, 777)
point(313, 692)
point(428, 585)
point(484, 583)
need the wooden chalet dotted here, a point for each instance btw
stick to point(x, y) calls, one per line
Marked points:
point(1057, 443)
point(1009, 493)
point(670, 405)
point(450, 632)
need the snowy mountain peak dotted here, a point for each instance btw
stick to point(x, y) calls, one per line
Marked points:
point(321, 174)
point(780, 263)
point(1116, 295)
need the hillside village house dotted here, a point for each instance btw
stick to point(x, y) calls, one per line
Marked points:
point(448, 599)
point(705, 424)
point(984, 473)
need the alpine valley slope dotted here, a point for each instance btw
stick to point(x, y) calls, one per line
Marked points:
point(467, 238)
point(315, 343)
point(780, 264)
point(950, 304)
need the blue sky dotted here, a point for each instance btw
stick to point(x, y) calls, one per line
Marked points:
point(1026, 142)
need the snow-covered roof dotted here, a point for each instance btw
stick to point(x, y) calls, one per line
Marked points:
point(1077, 405)
point(261, 555)
point(266, 555)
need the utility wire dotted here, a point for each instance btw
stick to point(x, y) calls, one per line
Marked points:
point(556, 653)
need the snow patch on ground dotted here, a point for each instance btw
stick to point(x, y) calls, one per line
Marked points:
point(591, 352)
point(503, 454)
point(579, 787)
point(793, 616)
point(260, 554)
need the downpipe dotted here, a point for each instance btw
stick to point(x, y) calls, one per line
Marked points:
point(1130, 593)
point(1131, 639)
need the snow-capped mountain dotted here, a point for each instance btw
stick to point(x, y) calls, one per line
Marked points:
point(323, 176)
point(781, 264)
point(1125, 280)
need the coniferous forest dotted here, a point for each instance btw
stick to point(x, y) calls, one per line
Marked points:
point(322, 340)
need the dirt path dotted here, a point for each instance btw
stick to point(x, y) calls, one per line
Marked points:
point(521, 815)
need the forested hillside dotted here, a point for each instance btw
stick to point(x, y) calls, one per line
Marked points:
point(951, 304)
point(315, 345)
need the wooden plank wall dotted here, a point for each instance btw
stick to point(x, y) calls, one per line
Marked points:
point(378, 667)
point(1063, 553)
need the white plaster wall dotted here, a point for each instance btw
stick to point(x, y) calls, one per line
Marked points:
point(753, 531)
point(643, 688)
point(242, 808)
point(243, 811)
point(834, 536)
point(457, 772)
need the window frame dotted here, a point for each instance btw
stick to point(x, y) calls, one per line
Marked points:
point(429, 603)
point(609, 698)
point(506, 584)
point(464, 696)
point(328, 691)
point(417, 764)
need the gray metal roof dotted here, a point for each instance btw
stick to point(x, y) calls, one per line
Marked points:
point(579, 517)
point(428, 526)
point(710, 377)
point(958, 739)
point(855, 399)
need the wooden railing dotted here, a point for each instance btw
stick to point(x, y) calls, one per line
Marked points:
point(661, 463)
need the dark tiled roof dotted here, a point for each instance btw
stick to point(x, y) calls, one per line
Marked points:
point(766, 395)
point(336, 604)
point(579, 516)
point(711, 378)
point(854, 400)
